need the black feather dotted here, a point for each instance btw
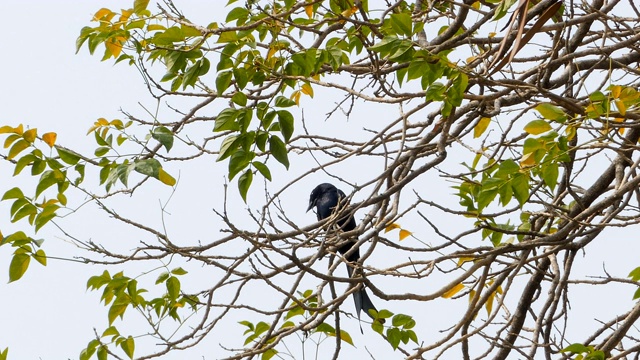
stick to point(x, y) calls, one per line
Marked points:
point(327, 199)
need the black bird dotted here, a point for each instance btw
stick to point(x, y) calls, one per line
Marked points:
point(328, 200)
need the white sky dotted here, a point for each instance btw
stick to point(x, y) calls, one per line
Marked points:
point(48, 314)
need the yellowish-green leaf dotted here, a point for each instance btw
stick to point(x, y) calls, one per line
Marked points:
point(30, 135)
point(17, 148)
point(551, 112)
point(40, 257)
point(536, 127)
point(18, 266)
point(344, 336)
point(451, 292)
point(481, 127)
point(154, 27)
point(128, 346)
point(165, 178)
point(465, 259)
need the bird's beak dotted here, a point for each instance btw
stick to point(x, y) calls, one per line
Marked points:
point(310, 206)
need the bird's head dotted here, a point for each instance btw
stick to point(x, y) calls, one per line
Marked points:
point(318, 192)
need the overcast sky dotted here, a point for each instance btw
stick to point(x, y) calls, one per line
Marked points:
point(48, 314)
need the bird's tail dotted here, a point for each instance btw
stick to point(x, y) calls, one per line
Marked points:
point(361, 299)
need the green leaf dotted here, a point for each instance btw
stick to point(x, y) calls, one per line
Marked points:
point(263, 169)
point(149, 167)
point(102, 353)
point(285, 119)
point(435, 92)
point(164, 136)
point(239, 98)
point(536, 127)
point(101, 151)
point(117, 309)
point(401, 23)
point(520, 186)
point(228, 147)
point(173, 287)
point(244, 182)
point(162, 277)
point(19, 265)
point(239, 161)
point(179, 271)
point(550, 174)
point(279, 150)
point(226, 120)
point(393, 337)
point(575, 348)
point(551, 112)
point(40, 257)
point(223, 81)
point(17, 148)
point(140, 5)
point(268, 354)
point(90, 350)
point(14, 193)
point(282, 101)
point(635, 274)
point(400, 320)
point(128, 346)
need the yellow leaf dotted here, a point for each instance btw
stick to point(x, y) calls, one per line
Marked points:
point(125, 15)
point(454, 290)
point(476, 5)
point(103, 14)
point(114, 45)
point(472, 294)
point(470, 59)
point(50, 138)
point(391, 227)
point(528, 160)
point(347, 13)
point(307, 90)
point(165, 178)
point(272, 51)
point(622, 108)
point(309, 10)
point(316, 77)
point(295, 96)
point(465, 259)
point(30, 135)
point(615, 91)
point(7, 130)
point(403, 234)
point(481, 127)
point(492, 35)
point(489, 304)
point(19, 130)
